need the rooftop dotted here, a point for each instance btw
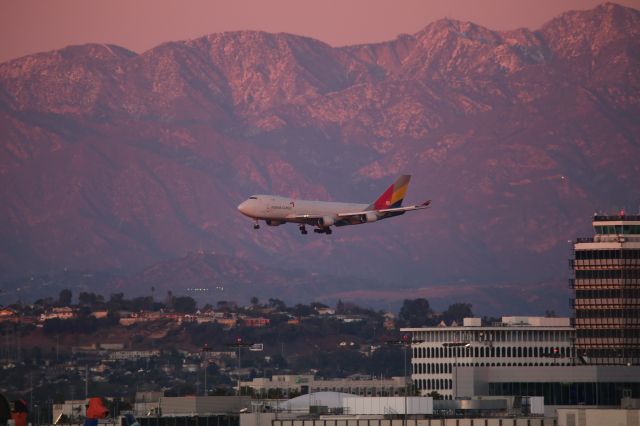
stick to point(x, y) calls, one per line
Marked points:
point(617, 217)
point(512, 321)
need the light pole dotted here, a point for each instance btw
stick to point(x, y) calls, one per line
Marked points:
point(405, 341)
point(238, 344)
point(205, 348)
point(456, 346)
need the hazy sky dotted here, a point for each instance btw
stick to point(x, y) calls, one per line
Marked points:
point(29, 26)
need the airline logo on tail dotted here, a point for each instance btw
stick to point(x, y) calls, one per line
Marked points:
point(393, 196)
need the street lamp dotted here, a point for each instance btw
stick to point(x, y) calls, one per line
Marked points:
point(455, 346)
point(405, 341)
point(205, 348)
point(239, 344)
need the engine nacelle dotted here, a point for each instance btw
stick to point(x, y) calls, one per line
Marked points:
point(370, 217)
point(326, 221)
point(272, 222)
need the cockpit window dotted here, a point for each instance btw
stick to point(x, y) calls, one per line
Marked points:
point(253, 198)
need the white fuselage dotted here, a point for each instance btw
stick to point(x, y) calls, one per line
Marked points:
point(271, 207)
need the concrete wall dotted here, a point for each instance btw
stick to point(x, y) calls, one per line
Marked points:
point(598, 417)
point(203, 405)
point(474, 380)
point(388, 405)
point(417, 422)
point(256, 419)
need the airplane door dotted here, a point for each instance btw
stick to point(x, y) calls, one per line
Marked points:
point(267, 208)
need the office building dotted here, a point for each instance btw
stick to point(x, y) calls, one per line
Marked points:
point(512, 342)
point(606, 280)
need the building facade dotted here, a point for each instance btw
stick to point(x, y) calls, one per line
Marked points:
point(286, 385)
point(606, 281)
point(579, 385)
point(437, 352)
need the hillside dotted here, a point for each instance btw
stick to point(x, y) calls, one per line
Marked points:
point(115, 161)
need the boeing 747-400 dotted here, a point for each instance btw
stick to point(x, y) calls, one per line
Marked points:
point(322, 215)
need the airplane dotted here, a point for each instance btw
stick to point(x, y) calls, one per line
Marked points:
point(322, 215)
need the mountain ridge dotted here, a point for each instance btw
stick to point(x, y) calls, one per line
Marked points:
point(118, 160)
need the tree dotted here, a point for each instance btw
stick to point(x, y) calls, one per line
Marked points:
point(116, 302)
point(184, 304)
point(64, 297)
point(302, 310)
point(142, 303)
point(90, 299)
point(457, 312)
point(435, 395)
point(224, 306)
point(414, 313)
point(277, 304)
point(169, 300)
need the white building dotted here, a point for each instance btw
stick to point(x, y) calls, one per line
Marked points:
point(133, 355)
point(513, 342)
point(63, 313)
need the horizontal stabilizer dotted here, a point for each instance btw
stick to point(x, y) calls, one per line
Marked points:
point(424, 205)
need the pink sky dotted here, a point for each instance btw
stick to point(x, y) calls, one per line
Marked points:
point(29, 26)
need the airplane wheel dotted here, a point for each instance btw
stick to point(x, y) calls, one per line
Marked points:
point(256, 226)
point(328, 231)
point(304, 232)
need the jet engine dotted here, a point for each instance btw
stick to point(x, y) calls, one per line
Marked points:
point(326, 221)
point(370, 217)
point(272, 222)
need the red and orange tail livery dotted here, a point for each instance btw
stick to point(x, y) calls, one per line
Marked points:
point(393, 196)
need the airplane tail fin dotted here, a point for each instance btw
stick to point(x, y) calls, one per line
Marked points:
point(393, 196)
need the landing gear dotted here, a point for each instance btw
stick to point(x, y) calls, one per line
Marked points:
point(327, 231)
point(303, 230)
point(256, 225)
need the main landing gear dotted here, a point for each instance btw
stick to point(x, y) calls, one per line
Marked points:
point(303, 230)
point(327, 231)
point(256, 225)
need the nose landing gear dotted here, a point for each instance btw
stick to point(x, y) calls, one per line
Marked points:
point(256, 225)
point(303, 230)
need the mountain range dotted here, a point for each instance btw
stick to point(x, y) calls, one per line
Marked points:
point(133, 164)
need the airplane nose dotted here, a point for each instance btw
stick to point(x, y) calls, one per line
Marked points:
point(243, 207)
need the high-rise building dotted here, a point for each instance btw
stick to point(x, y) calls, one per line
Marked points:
point(606, 281)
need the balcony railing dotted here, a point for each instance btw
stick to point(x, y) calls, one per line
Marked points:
point(599, 218)
point(584, 240)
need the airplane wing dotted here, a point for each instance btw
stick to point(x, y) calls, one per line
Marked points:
point(424, 205)
point(309, 219)
point(353, 218)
